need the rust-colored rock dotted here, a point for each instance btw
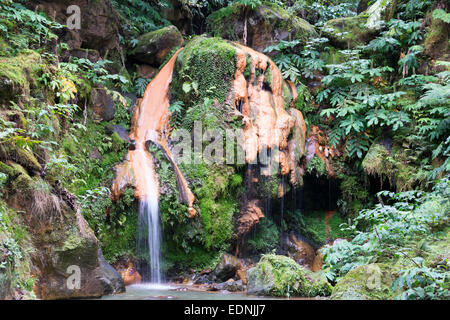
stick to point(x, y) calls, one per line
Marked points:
point(130, 275)
point(241, 275)
point(302, 252)
point(150, 122)
point(317, 144)
point(318, 262)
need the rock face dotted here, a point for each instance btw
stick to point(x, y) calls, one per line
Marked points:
point(281, 276)
point(369, 282)
point(266, 25)
point(227, 267)
point(66, 258)
point(153, 47)
point(99, 22)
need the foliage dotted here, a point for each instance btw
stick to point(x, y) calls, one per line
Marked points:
point(385, 233)
point(34, 27)
point(423, 284)
point(265, 238)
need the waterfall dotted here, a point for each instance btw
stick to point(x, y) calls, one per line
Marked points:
point(150, 122)
point(149, 237)
point(149, 229)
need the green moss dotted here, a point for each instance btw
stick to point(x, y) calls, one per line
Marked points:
point(72, 242)
point(395, 165)
point(369, 282)
point(280, 276)
point(25, 157)
point(348, 32)
point(210, 63)
point(317, 167)
point(22, 181)
point(22, 71)
point(216, 22)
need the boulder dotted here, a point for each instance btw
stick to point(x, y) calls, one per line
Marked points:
point(266, 25)
point(276, 275)
point(232, 286)
point(368, 282)
point(65, 256)
point(349, 32)
point(153, 47)
point(103, 104)
point(227, 267)
point(111, 279)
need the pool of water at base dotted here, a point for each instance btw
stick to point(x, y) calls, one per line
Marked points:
point(150, 291)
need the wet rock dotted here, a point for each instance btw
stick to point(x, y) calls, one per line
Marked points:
point(318, 261)
point(276, 275)
point(266, 25)
point(227, 267)
point(103, 104)
point(369, 282)
point(232, 286)
point(302, 252)
point(130, 275)
point(250, 215)
point(153, 47)
point(180, 15)
point(111, 279)
point(241, 275)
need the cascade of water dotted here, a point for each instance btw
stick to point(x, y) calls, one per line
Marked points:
point(149, 123)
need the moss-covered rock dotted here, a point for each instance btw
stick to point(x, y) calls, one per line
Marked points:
point(153, 47)
point(349, 32)
point(393, 163)
point(18, 75)
point(368, 282)
point(25, 157)
point(276, 275)
point(205, 68)
point(437, 39)
point(266, 25)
